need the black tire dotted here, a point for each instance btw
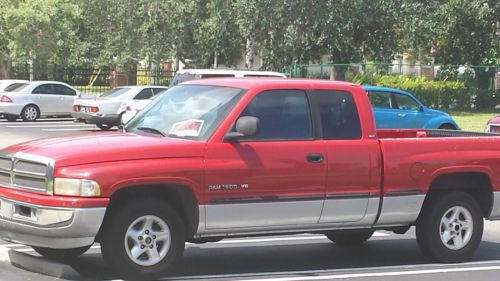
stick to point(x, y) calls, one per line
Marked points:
point(11, 118)
point(350, 237)
point(447, 127)
point(429, 228)
point(114, 248)
point(30, 113)
point(104, 127)
point(64, 255)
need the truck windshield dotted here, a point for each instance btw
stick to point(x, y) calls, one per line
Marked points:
point(186, 111)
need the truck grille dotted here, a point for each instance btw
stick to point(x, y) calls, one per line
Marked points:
point(26, 172)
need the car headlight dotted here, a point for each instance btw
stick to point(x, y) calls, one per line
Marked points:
point(76, 187)
point(487, 129)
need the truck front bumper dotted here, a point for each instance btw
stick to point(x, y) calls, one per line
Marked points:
point(46, 226)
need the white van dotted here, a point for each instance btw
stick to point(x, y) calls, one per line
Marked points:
point(193, 74)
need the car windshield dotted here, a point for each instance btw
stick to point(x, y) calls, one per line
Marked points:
point(115, 92)
point(186, 111)
point(16, 87)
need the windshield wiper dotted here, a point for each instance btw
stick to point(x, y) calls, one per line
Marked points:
point(151, 130)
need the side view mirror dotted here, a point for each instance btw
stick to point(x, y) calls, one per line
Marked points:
point(246, 126)
point(421, 109)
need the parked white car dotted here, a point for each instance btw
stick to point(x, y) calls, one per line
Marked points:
point(114, 107)
point(192, 74)
point(30, 100)
point(4, 84)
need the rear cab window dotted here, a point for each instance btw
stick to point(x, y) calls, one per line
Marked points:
point(338, 115)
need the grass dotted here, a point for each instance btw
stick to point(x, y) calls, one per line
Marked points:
point(472, 121)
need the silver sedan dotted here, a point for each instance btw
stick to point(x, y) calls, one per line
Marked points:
point(30, 100)
point(114, 107)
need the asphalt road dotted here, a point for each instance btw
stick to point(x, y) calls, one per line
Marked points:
point(385, 256)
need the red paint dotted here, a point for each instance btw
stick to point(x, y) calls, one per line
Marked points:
point(405, 159)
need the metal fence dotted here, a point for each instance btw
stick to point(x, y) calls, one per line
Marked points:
point(96, 80)
point(430, 71)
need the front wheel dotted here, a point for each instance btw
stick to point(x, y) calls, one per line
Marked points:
point(30, 113)
point(63, 255)
point(450, 227)
point(144, 240)
point(350, 237)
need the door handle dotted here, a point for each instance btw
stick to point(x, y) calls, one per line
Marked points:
point(314, 158)
point(401, 114)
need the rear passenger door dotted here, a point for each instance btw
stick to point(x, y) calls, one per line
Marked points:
point(271, 180)
point(44, 97)
point(353, 173)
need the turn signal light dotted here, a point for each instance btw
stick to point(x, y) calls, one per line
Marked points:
point(94, 109)
point(5, 99)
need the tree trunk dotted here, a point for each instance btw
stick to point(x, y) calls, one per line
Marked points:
point(5, 66)
point(340, 71)
point(249, 55)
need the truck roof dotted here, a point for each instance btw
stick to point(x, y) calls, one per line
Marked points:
point(247, 83)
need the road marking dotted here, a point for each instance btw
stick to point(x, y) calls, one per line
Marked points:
point(266, 275)
point(49, 126)
point(379, 274)
point(228, 241)
point(69, 130)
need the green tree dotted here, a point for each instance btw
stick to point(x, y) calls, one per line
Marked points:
point(39, 32)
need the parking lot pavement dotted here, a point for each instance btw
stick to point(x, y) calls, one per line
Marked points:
point(304, 257)
point(15, 132)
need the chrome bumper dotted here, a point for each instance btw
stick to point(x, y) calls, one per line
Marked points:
point(51, 227)
point(495, 209)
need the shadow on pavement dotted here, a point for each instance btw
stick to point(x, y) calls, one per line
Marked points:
point(286, 258)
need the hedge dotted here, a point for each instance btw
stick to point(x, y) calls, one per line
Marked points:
point(436, 94)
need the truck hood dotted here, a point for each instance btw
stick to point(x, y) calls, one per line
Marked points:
point(106, 147)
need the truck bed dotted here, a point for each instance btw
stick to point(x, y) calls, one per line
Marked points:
point(423, 133)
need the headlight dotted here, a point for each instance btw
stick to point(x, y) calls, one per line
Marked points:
point(76, 187)
point(487, 129)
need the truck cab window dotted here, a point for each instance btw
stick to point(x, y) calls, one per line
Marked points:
point(283, 115)
point(339, 115)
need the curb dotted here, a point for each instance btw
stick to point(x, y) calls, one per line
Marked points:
point(38, 264)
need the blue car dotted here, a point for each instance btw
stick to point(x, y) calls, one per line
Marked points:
point(397, 109)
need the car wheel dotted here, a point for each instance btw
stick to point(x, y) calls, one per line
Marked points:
point(143, 241)
point(11, 118)
point(450, 227)
point(349, 237)
point(104, 127)
point(447, 127)
point(30, 113)
point(61, 254)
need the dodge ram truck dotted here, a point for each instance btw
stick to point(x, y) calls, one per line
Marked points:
point(220, 158)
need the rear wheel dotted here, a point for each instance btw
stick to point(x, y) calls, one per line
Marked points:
point(450, 227)
point(143, 241)
point(61, 254)
point(350, 237)
point(104, 127)
point(447, 127)
point(30, 113)
point(11, 118)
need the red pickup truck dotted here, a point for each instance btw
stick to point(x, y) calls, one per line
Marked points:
point(217, 158)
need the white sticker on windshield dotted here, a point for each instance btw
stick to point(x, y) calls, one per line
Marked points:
point(187, 128)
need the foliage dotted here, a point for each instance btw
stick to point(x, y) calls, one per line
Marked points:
point(437, 94)
point(123, 33)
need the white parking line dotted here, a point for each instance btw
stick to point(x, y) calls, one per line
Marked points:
point(328, 273)
point(49, 126)
point(379, 274)
point(69, 130)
